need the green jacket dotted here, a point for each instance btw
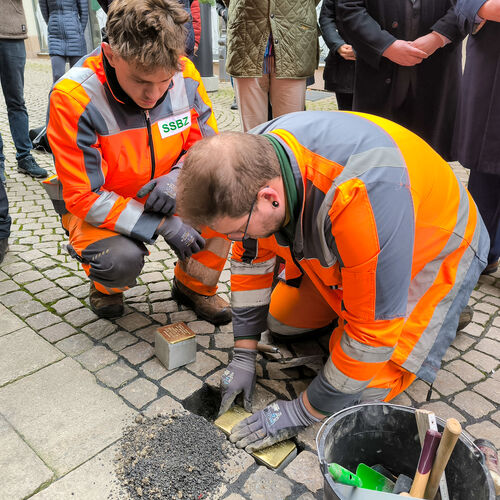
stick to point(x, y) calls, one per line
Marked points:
point(295, 36)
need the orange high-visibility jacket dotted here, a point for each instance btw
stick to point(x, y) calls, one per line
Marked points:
point(386, 233)
point(106, 149)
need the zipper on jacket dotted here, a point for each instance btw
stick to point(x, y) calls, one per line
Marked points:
point(150, 140)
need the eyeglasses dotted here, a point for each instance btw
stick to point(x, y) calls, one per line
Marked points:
point(238, 235)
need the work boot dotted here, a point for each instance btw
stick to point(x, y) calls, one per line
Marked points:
point(104, 305)
point(235, 104)
point(4, 246)
point(465, 317)
point(3, 180)
point(28, 165)
point(491, 268)
point(212, 308)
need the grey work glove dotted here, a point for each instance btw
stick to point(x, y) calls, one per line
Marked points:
point(183, 239)
point(276, 422)
point(238, 377)
point(163, 191)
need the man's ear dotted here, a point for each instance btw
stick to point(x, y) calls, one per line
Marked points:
point(108, 52)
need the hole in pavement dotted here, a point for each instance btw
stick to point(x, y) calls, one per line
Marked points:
point(204, 402)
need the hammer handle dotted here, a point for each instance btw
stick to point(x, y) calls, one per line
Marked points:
point(451, 433)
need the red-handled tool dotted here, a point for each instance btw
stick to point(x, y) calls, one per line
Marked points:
point(425, 461)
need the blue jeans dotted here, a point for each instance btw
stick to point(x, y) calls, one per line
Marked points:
point(12, 62)
point(4, 214)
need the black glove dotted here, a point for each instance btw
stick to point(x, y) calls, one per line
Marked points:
point(163, 190)
point(183, 239)
point(239, 376)
point(276, 422)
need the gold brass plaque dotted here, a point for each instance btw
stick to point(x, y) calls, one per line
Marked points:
point(273, 456)
point(177, 332)
point(229, 419)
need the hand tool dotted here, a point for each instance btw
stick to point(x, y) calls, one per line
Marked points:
point(268, 348)
point(403, 484)
point(451, 433)
point(365, 477)
point(344, 476)
point(425, 463)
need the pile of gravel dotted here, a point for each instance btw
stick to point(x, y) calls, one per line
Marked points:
point(171, 457)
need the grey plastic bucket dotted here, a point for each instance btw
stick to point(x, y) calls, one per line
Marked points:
point(382, 433)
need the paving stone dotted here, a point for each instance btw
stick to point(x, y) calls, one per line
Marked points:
point(306, 438)
point(69, 282)
point(167, 306)
point(80, 317)
point(462, 342)
point(65, 305)
point(138, 353)
point(224, 340)
point(300, 386)
point(159, 296)
point(93, 480)
point(28, 308)
point(307, 496)
point(133, 322)
point(220, 355)
point(238, 462)
point(213, 381)
point(15, 268)
point(119, 340)
point(39, 286)
point(473, 404)
point(490, 389)
point(486, 430)
point(261, 398)
point(486, 308)
point(96, 358)
point(139, 392)
point(64, 414)
point(277, 386)
point(201, 327)
point(154, 369)
point(152, 277)
point(75, 345)
point(181, 384)
point(15, 298)
point(304, 469)
point(42, 320)
point(100, 328)
point(160, 286)
point(203, 364)
point(492, 300)
point(135, 291)
point(55, 273)
point(493, 333)
point(474, 329)
point(465, 371)
point(234, 496)
point(141, 307)
point(446, 383)
point(147, 334)
point(51, 295)
point(441, 409)
point(203, 341)
point(402, 399)
point(22, 471)
point(10, 322)
point(265, 484)
point(80, 292)
point(27, 276)
point(160, 318)
point(481, 361)
point(8, 286)
point(490, 289)
point(116, 374)
point(496, 417)
point(490, 347)
point(275, 371)
point(24, 352)
point(185, 316)
point(163, 406)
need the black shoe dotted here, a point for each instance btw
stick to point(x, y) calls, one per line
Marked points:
point(3, 180)
point(491, 268)
point(465, 317)
point(106, 306)
point(29, 166)
point(39, 139)
point(234, 105)
point(4, 246)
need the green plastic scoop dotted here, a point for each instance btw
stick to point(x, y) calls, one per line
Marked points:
point(365, 477)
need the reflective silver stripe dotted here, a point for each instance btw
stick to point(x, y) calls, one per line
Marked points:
point(325, 207)
point(420, 283)
point(129, 217)
point(359, 163)
point(365, 353)
point(422, 348)
point(279, 327)
point(178, 95)
point(101, 208)
point(78, 74)
point(54, 189)
point(251, 298)
point(342, 382)
point(254, 269)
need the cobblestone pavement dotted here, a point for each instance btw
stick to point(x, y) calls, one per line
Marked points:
point(70, 382)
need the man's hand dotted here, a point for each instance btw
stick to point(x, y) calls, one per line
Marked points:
point(347, 52)
point(276, 422)
point(163, 190)
point(183, 239)
point(428, 43)
point(239, 376)
point(404, 53)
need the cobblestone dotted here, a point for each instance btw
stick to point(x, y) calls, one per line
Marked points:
point(139, 392)
point(304, 469)
point(75, 345)
point(96, 358)
point(154, 369)
point(473, 404)
point(181, 384)
point(137, 353)
point(263, 485)
point(465, 371)
point(119, 340)
point(116, 374)
point(203, 364)
point(133, 321)
point(57, 332)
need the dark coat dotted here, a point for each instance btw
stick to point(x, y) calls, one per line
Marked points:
point(477, 136)
point(381, 85)
point(66, 21)
point(338, 73)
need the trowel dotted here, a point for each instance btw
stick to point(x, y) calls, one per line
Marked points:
point(365, 477)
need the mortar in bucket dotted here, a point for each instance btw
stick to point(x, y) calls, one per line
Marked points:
point(387, 434)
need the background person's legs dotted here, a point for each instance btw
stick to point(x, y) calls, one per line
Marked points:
point(5, 222)
point(287, 95)
point(58, 64)
point(252, 97)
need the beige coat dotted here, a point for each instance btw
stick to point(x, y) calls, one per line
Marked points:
point(13, 20)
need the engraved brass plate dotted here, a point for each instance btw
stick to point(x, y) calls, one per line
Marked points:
point(176, 332)
point(275, 455)
point(232, 417)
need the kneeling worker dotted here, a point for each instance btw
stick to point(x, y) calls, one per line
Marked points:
point(119, 123)
point(375, 230)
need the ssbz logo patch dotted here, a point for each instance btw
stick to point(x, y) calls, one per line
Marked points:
point(174, 124)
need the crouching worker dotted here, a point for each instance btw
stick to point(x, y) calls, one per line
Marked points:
point(375, 231)
point(119, 124)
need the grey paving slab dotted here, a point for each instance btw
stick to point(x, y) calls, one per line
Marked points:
point(93, 480)
point(264, 484)
point(139, 392)
point(21, 469)
point(75, 345)
point(9, 322)
point(96, 358)
point(64, 415)
point(181, 384)
point(116, 374)
point(304, 469)
point(24, 352)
